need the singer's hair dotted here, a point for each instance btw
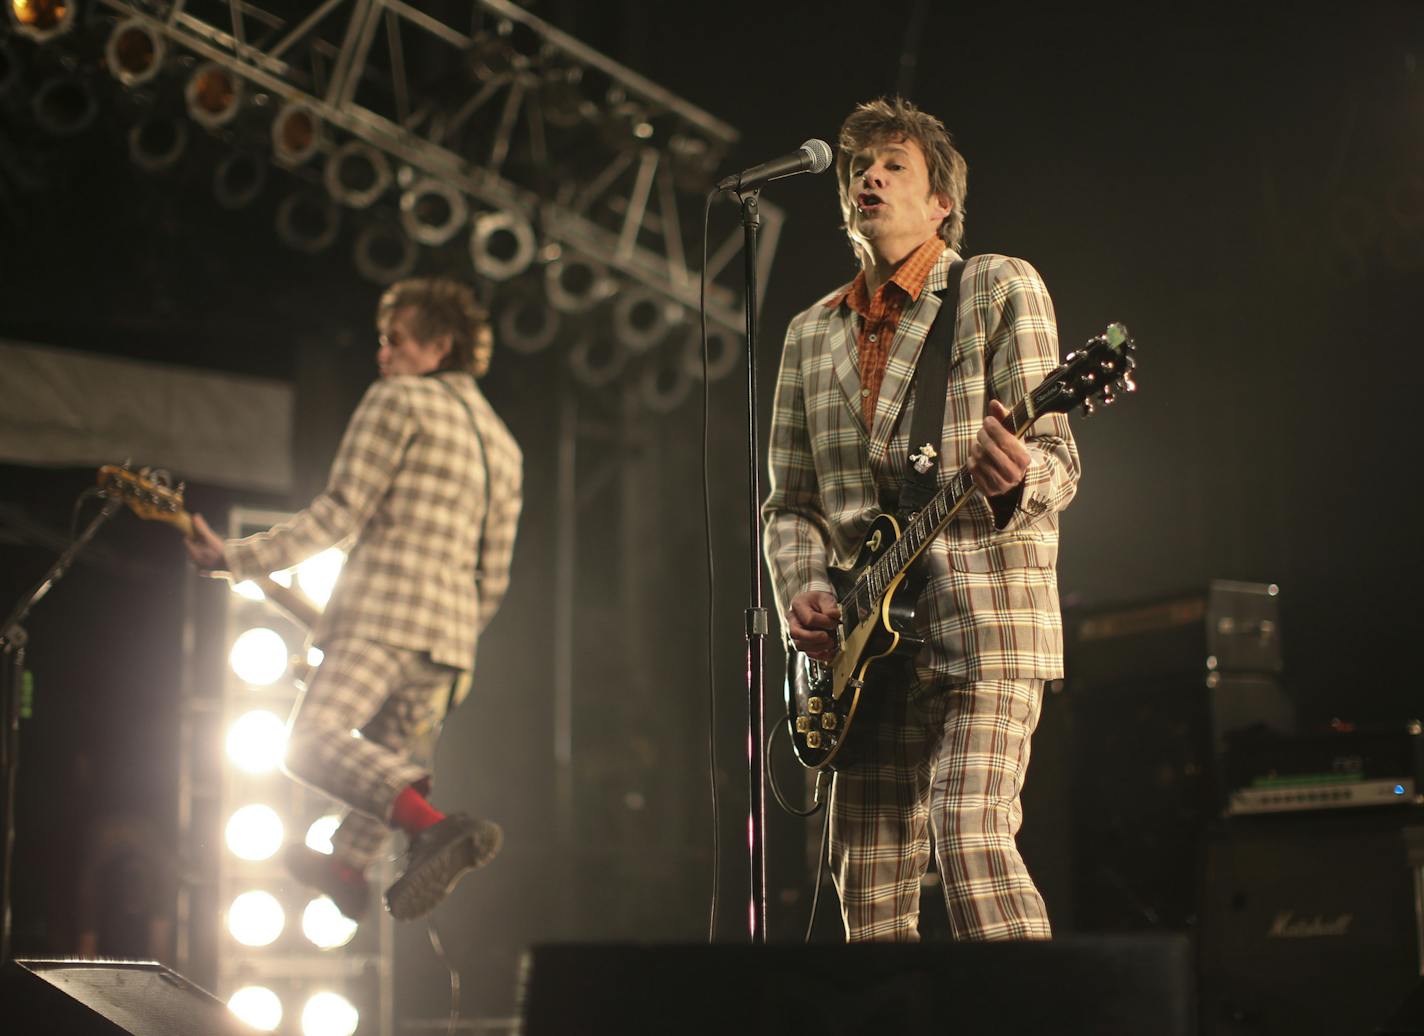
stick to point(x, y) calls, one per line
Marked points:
point(895, 119)
point(441, 306)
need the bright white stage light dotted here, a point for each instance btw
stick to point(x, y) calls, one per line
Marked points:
point(254, 832)
point(258, 1006)
point(249, 590)
point(256, 741)
point(259, 656)
point(329, 1014)
point(317, 575)
point(256, 918)
point(315, 655)
point(320, 832)
point(326, 926)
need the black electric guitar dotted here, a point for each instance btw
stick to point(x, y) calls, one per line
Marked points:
point(877, 592)
point(150, 496)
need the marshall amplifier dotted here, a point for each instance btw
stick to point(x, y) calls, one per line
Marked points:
point(1310, 925)
point(1227, 627)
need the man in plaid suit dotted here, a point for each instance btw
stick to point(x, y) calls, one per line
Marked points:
point(426, 489)
point(945, 757)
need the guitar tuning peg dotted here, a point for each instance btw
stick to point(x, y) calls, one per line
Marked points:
point(1088, 408)
point(1128, 385)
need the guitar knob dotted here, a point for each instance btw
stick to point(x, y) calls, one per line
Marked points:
point(828, 721)
point(815, 706)
point(813, 739)
point(803, 724)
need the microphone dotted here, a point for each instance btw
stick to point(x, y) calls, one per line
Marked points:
point(814, 156)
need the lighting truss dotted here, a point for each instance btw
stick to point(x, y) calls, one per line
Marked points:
point(507, 109)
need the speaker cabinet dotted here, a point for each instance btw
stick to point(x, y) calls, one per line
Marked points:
point(110, 998)
point(1309, 925)
point(1112, 986)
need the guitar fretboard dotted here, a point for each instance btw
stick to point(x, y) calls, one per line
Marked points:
point(923, 527)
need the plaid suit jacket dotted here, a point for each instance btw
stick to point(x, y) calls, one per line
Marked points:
point(989, 608)
point(407, 491)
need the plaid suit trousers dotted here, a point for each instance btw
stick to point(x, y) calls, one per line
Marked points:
point(948, 761)
point(396, 698)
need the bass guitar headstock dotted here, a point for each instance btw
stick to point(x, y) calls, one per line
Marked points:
point(148, 493)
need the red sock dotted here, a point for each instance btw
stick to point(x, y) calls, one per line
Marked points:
point(412, 814)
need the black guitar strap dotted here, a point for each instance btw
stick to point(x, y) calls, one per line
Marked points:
point(930, 384)
point(484, 460)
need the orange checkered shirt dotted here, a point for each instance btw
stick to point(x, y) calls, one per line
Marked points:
point(880, 317)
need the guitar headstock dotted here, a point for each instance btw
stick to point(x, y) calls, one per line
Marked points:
point(1099, 372)
point(148, 494)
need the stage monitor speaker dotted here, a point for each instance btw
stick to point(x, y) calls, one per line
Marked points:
point(110, 998)
point(1109, 986)
point(1309, 925)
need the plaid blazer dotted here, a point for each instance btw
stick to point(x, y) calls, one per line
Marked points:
point(989, 608)
point(407, 491)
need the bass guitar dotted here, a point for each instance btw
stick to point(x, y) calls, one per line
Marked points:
point(877, 592)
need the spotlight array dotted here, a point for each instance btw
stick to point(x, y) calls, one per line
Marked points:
point(286, 958)
point(556, 169)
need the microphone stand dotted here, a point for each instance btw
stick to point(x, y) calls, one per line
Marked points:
point(13, 639)
point(757, 623)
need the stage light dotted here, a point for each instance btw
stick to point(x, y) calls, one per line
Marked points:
point(641, 318)
point(258, 1006)
point(257, 741)
point(596, 359)
point(665, 382)
point(329, 1014)
point(382, 253)
point(490, 55)
point(575, 284)
point(295, 134)
point(41, 19)
point(157, 142)
point(319, 833)
point(317, 574)
point(694, 162)
point(308, 222)
point(432, 211)
point(134, 52)
point(625, 124)
point(254, 832)
point(315, 655)
point(214, 95)
point(237, 181)
point(64, 106)
point(256, 918)
point(527, 324)
point(502, 245)
point(357, 174)
point(326, 927)
point(724, 349)
point(248, 590)
point(259, 656)
point(561, 100)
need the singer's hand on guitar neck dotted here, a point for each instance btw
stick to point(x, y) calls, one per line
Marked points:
point(998, 460)
point(205, 548)
point(812, 620)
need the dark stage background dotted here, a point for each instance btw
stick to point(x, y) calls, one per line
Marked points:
point(1242, 185)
